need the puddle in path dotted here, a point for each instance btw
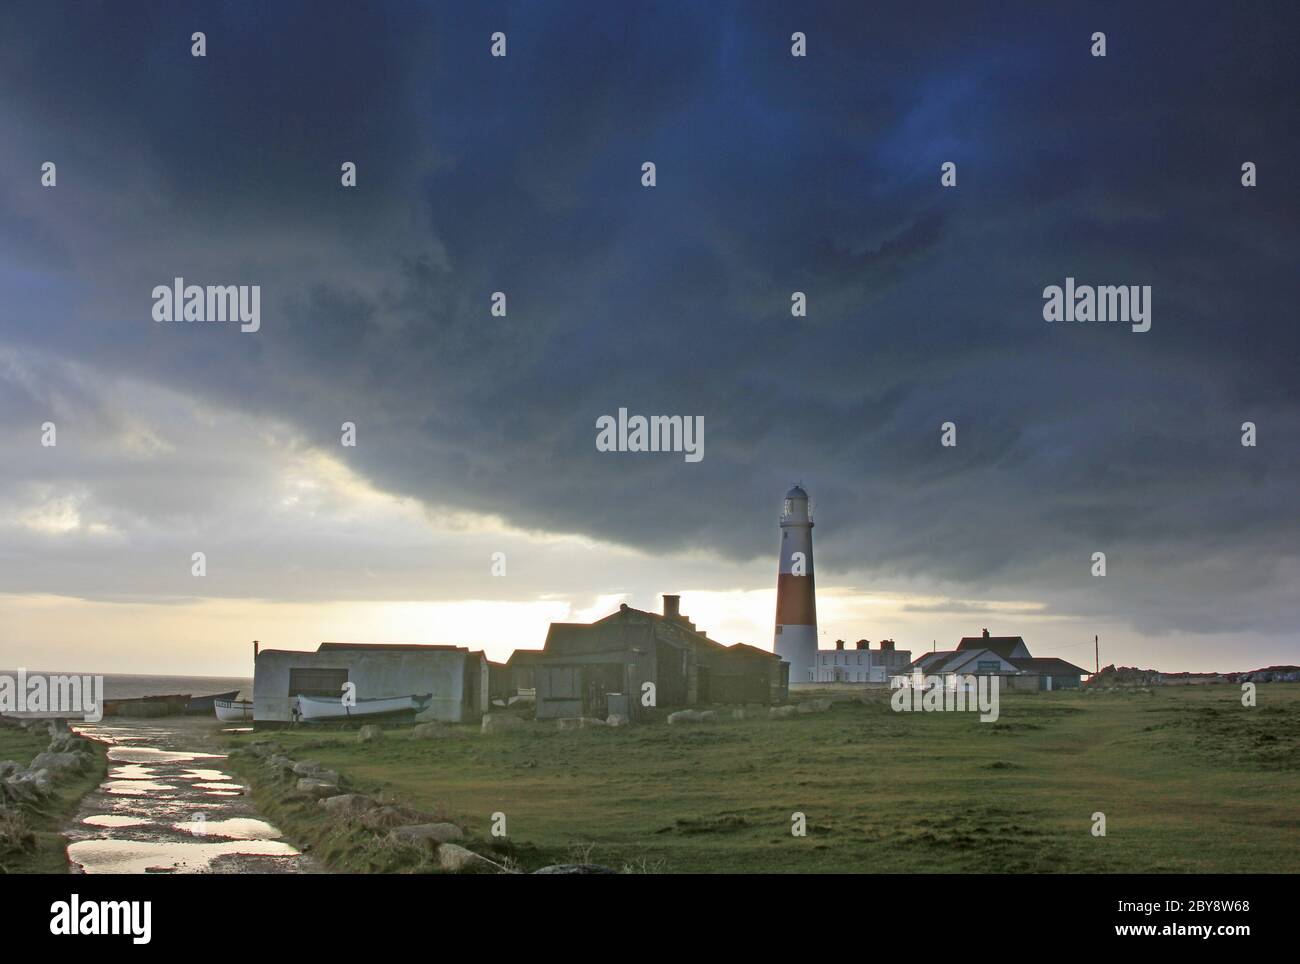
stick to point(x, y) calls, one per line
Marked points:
point(167, 807)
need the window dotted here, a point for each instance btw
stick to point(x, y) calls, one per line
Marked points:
point(317, 682)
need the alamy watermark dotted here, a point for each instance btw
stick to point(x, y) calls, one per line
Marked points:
point(658, 433)
point(49, 694)
point(954, 693)
point(181, 302)
point(1130, 304)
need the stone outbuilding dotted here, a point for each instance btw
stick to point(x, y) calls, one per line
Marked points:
point(593, 669)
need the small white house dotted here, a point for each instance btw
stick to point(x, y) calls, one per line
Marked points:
point(456, 678)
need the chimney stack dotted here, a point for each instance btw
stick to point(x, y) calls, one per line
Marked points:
point(886, 645)
point(254, 650)
point(839, 644)
point(864, 644)
point(986, 634)
point(672, 606)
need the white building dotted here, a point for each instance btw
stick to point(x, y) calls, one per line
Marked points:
point(860, 664)
point(456, 678)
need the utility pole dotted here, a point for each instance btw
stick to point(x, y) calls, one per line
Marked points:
point(1096, 646)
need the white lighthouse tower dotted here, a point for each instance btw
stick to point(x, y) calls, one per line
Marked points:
point(796, 598)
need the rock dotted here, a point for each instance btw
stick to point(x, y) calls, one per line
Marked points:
point(312, 787)
point(386, 817)
point(278, 761)
point(499, 723)
point(578, 722)
point(684, 716)
point(431, 731)
point(781, 712)
point(305, 768)
point(29, 786)
point(426, 834)
point(576, 869)
point(10, 767)
point(616, 719)
point(814, 706)
point(67, 743)
point(58, 761)
point(347, 804)
point(709, 716)
point(369, 733)
point(457, 860)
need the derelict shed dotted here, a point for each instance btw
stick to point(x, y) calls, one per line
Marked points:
point(457, 679)
point(598, 668)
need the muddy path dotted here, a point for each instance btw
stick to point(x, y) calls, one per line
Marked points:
point(168, 805)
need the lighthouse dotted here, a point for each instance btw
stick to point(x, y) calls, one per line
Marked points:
point(796, 599)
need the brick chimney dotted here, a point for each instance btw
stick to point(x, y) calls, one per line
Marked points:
point(864, 644)
point(839, 644)
point(886, 645)
point(986, 634)
point(672, 607)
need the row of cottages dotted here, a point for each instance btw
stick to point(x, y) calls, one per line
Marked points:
point(456, 679)
point(1004, 656)
point(594, 669)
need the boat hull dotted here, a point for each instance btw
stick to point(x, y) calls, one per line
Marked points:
point(233, 711)
point(313, 709)
point(148, 706)
point(202, 705)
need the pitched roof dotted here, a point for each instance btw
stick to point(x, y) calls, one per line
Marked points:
point(1048, 666)
point(1004, 646)
point(400, 647)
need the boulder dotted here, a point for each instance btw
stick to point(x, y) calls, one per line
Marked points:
point(431, 731)
point(709, 716)
point(347, 804)
point(369, 733)
point(426, 834)
point(58, 761)
point(457, 860)
point(616, 719)
point(576, 869)
point(312, 787)
point(69, 743)
point(499, 723)
point(683, 716)
point(781, 712)
point(388, 816)
point(305, 768)
point(29, 786)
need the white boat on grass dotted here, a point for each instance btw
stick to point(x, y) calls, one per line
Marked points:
point(315, 708)
point(233, 711)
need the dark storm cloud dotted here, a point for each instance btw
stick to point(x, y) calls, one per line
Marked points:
point(775, 175)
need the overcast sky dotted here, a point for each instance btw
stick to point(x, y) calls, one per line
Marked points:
point(476, 434)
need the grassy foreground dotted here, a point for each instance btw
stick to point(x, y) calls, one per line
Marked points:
point(1188, 780)
point(34, 844)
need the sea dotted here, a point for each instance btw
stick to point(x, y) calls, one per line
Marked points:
point(123, 687)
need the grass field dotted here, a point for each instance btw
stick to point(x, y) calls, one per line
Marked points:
point(1189, 781)
point(36, 844)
